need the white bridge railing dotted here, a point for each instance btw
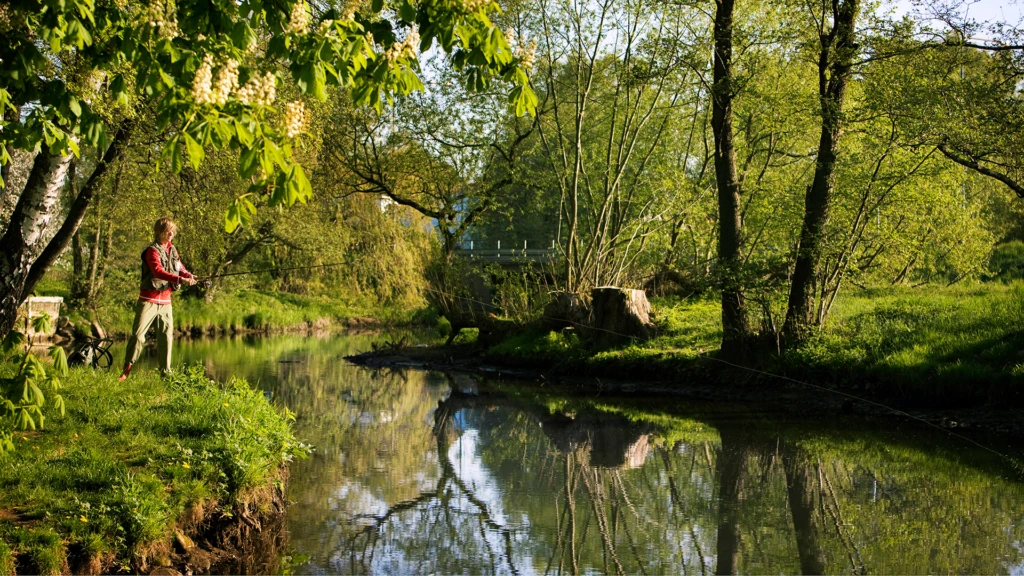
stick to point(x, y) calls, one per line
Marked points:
point(507, 253)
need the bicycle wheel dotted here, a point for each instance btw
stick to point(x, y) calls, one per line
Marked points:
point(103, 359)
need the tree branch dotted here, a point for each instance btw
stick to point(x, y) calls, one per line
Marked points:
point(974, 165)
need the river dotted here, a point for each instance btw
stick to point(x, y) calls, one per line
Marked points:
point(423, 472)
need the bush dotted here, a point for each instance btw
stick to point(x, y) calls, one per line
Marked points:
point(1007, 262)
point(255, 321)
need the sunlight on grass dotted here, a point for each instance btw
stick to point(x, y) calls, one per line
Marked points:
point(131, 459)
point(957, 343)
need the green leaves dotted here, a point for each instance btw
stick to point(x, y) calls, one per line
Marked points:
point(22, 397)
point(41, 323)
point(137, 57)
point(291, 187)
point(523, 99)
point(239, 213)
point(407, 11)
point(60, 361)
point(243, 134)
point(195, 151)
point(248, 162)
point(312, 79)
point(11, 343)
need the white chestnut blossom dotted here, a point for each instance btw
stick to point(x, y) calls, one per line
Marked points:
point(407, 48)
point(227, 81)
point(202, 85)
point(298, 20)
point(162, 18)
point(474, 5)
point(6, 15)
point(350, 9)
point(527, 55)
point(294, 118)
point(259, 90)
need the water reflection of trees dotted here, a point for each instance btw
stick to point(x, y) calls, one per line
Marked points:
point(587, 491)
point(576, 498)
point(408, 478)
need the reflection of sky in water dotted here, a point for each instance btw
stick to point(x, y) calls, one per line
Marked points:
point(471, 471)
point(375, 496)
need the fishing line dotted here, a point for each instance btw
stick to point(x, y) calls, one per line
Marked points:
point(285, 269)
point(1011, 459)
point(1017, 464)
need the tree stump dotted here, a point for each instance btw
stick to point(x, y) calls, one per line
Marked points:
point(620, 315)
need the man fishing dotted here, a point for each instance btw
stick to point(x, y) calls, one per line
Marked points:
point(162, 273)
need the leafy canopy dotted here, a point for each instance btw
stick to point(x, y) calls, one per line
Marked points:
point(207, 71)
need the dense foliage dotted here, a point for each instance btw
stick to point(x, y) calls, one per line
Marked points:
point(822, 146)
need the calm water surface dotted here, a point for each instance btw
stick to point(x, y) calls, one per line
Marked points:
point(419, 472)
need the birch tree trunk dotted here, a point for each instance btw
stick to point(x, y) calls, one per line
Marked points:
point(76, 212)
point(26, 232)
point(26, 251)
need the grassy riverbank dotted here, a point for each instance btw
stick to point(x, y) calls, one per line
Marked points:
point(109, 486)
point(929, 346)
point(241, 310)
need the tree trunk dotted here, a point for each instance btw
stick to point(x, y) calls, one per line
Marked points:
point(804, 501)
point(838, 49)
point(23, 259)
point(619, 315)
point(95, 288)
point(79, 285)
point(31, 220)
point(100, 249)
point(732, 462)
point(79, 291)
point(76, 214)
point(735, 324)
point(94, 252)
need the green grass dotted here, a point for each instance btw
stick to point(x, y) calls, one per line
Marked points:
point(130, 462)
point(932, 345)
point(254, 310)
point(959, 344)
point(235, 309)
point(245, 309)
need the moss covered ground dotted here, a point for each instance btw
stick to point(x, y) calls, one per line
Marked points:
point(106, 487)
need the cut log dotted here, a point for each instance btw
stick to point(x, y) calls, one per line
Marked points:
point(564, 310)
point(97, 331)
point(620, 315)
point(494, 329)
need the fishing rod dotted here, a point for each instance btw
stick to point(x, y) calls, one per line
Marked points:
point(281, 269)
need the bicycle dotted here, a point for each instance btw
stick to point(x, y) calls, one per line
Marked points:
point(93, 352)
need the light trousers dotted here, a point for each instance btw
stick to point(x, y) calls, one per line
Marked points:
point(146, 313)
